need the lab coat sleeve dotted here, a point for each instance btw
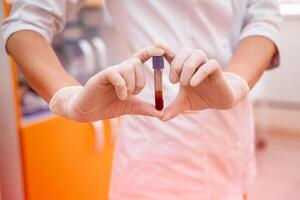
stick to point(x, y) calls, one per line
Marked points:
point(263, 19)
point(46, 17)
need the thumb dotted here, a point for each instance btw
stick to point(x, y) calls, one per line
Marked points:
point(177, 107)
point(136, 106)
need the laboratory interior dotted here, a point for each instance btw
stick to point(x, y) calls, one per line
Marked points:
point(130, 100)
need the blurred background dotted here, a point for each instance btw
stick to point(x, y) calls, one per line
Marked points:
point(44, 154)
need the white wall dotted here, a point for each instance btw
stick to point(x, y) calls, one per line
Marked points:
point(282, 85)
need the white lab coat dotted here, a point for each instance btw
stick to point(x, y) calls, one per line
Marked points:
point(207, 155)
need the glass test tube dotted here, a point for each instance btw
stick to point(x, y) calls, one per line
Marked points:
point(158, 66)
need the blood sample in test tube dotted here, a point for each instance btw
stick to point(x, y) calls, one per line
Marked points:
point(158, 66)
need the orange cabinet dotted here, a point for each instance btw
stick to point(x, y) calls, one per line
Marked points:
point(61, 161)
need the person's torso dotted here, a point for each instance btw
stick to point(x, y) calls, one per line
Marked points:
point(174, 155)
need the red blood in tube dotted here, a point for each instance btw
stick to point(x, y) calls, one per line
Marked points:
point(159, 102)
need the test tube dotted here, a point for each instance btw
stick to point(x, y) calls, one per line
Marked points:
point(158, 66)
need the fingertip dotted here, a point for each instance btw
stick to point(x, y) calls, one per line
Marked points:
point(165, 118)
point(122, 93)
point(155, 112)
point(123, 97)
point(155, 51)
point(193, 83)
point(159, 113)
point(162, 119)
point(148, 52)
point(167, 115)
point(158, 52)
point(174, 79)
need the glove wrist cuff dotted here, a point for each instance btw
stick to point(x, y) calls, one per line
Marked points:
point(239, 84)
point(60, 102)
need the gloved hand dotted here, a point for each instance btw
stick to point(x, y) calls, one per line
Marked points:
point(109, 93)
point(202, 83)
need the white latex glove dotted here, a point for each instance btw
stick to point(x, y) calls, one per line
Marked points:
point(109, 93)
point(202, 83)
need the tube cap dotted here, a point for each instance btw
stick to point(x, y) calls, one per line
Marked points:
point(158, 62)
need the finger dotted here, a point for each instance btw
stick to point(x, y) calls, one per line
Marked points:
point(115, 78)
point(177, 64)
point(136, 106)
point(175, 108)
point(169, 54)
point(139, 75)
point(140, 78)
point(148, 52)
point(190, 66)
point(127, 72)
point(211, 68)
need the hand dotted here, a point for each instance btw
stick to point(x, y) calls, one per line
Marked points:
point(109, 93)
point(202, 83)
